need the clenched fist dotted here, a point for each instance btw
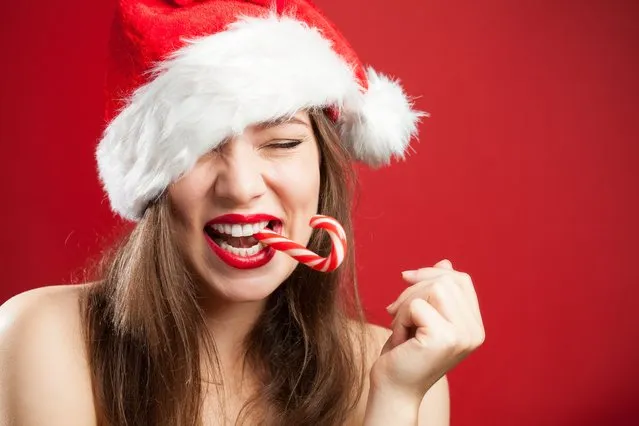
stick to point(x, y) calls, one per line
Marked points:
point(436, 324)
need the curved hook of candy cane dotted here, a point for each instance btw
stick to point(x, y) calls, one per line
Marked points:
point(338, 241)
point(306, 256)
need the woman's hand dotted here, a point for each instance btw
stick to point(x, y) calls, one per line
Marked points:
point(437, 323)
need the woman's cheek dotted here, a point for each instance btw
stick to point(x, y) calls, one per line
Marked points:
point(301, 182)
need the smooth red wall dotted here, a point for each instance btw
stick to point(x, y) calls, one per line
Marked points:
point(525, 177)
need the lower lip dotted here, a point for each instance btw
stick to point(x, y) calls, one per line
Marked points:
point(260, 258)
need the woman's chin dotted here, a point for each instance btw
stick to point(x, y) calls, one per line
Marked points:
point(244, 290)
point(246, 285)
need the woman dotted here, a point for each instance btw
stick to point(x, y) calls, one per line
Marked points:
point(250, 121)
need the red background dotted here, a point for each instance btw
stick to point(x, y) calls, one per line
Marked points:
point(525, 177)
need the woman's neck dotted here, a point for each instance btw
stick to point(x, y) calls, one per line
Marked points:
point(229, 324)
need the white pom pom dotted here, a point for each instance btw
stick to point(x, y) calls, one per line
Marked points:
point(385, 124)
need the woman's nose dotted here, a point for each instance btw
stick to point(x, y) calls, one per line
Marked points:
point(239, 175)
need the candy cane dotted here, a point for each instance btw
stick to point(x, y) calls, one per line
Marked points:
point(306, 256)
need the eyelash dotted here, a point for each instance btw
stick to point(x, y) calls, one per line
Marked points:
point(286, 145)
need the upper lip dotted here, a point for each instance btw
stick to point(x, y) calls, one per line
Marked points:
point(243, 218)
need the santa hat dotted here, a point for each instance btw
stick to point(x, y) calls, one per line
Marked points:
point(184, 75)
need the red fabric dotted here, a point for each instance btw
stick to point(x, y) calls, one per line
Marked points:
point(147, 31)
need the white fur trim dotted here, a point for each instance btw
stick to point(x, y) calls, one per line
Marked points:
point(213, 88)
point(384, 124)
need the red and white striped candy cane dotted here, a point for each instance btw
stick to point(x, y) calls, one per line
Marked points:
point(306, 256)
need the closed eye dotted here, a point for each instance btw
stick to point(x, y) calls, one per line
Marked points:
point(285, 145)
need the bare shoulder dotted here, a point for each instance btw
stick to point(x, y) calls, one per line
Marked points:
point(377, 337)
point(42, 359)
point(435, 407)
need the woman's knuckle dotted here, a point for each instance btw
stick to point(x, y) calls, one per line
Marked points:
point(448, 338)
point(441, 287)
point(466, 278)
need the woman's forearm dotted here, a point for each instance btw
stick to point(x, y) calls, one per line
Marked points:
point(387, 407)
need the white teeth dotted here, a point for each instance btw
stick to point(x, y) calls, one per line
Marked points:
point(236, 230)
point(239, 230)
point(244, 252)
point(247, 230)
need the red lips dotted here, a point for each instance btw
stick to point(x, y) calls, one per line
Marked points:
point(257, 260)
point(243, 218)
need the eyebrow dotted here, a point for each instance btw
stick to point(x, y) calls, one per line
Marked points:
point(280, 121)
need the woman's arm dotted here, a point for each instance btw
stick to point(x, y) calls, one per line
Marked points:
point(386, 407)
point(43, 370)
point(435, 407)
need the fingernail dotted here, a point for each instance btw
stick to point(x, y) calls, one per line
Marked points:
point(408, 274)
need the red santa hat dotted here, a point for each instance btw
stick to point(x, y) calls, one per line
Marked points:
point(184, 75)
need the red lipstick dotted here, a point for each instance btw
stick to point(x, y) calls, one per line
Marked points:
point(257, 260)
point(243, 218)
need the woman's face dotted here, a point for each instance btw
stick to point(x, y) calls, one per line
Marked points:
point(267, 176)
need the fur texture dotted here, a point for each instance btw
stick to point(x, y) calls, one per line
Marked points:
point(213, 88)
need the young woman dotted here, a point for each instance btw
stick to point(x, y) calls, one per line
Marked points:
point(250, 119)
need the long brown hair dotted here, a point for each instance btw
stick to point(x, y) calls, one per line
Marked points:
point(147, 341)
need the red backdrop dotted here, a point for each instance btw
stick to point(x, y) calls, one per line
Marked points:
point(525, 177)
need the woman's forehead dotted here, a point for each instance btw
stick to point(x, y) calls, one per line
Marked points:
point(301, 118)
